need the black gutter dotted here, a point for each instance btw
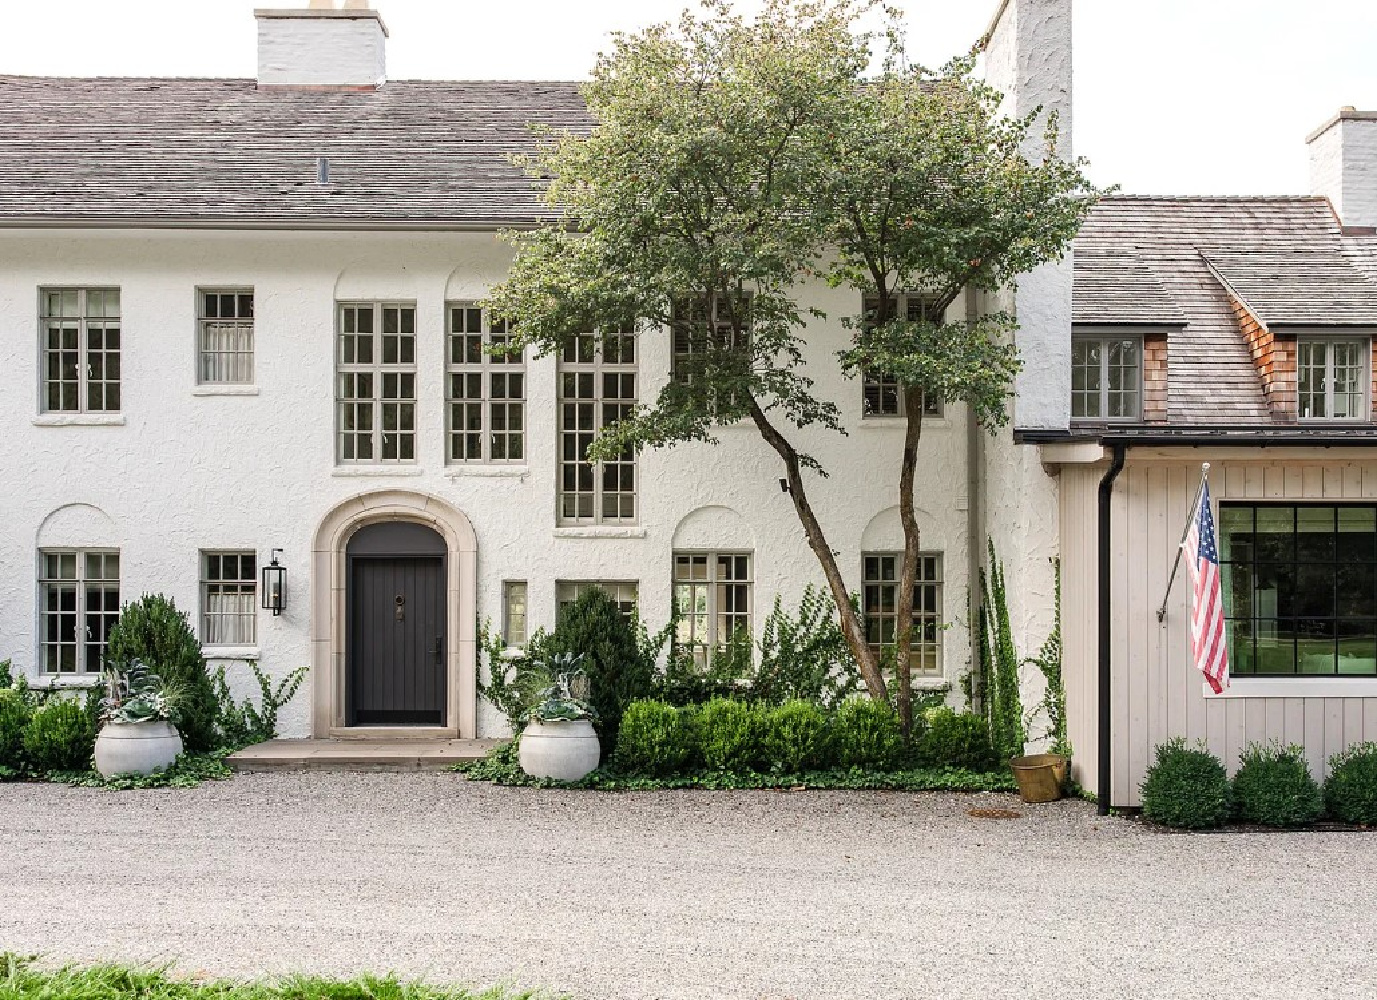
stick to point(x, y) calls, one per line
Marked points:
point(1106, 492)
point(1220, 437)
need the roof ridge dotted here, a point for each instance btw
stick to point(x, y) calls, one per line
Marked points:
point(34, 78)
point(1213, 197)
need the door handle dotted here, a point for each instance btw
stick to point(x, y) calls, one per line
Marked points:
point(439, 648)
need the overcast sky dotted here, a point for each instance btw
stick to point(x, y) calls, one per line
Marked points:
point(1172, 96)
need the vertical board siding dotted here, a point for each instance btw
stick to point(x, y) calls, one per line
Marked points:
point(1156, 694)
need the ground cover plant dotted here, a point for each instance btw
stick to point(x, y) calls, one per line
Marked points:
point(23, 979)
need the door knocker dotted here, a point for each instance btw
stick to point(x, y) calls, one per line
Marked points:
point(401, 608)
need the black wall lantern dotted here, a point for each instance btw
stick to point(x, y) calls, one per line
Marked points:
point(274, 585)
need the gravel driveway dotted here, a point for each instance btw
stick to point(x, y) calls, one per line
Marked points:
point(683, 894)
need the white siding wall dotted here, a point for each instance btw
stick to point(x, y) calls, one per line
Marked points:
point(1155, 692)
point(188, 471)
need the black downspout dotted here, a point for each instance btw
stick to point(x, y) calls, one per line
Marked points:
point(1106, 491)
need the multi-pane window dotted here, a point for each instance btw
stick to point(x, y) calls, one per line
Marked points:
point(1300, 588)
point(881, 393)
point(721, 343)
point(713, 598)
point(623, 592)
point(880, 600)
point(224, 325)
point(229, 598)
point(514, 630)
point(81, 349)
point(485, 392)
point(1332, 378)
point(79, 601)
point(597, 387)
point(376, 382)
point(1106, 378)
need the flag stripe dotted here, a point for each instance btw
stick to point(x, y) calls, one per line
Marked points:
point(1209, 646)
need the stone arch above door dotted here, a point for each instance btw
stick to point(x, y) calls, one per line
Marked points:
point(329, 627)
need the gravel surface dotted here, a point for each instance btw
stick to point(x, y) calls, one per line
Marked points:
point(682, 894)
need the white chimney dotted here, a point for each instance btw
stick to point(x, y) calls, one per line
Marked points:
point(322, 47)
point(1343, 166)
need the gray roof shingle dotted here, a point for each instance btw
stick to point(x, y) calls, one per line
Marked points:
point(142, 152)
point(1299, 287)
point(1115, 286)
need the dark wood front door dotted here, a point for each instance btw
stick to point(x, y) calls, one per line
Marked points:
point(396, 672)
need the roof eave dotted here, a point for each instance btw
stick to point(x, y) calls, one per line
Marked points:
point(258, 224)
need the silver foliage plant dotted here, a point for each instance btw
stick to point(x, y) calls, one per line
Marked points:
point(564, 697)
point(136, 694)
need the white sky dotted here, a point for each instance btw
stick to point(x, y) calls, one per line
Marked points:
point(1171, 96)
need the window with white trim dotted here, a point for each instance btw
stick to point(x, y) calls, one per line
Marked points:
point(1332, 378)
point(714, 598)
point(224, 331)
point(229, 598)
point(81, 349)
point(514, 631)
point(881, 393)
point(1106, 377)
point(724, 343)
point(880, 603)
point(79, 601)
point(485, 392)
point(597, 387)
point(624, 593)
point(375, 388)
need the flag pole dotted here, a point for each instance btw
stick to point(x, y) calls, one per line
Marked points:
point(1185, 530)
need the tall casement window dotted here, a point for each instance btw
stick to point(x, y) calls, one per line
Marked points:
point(81, 349)
point(224, 325)
point(880, 598)
point(597, 386)
point(229, 598)
point(79, 600)
point(1332, 378)
point(714, 596)
point(722, 341)
point(376, 382)
point(514, 613)
point(485, 392)
point(1300, 589)
point(1106, 377)
point(881, 393)
point(624, 592)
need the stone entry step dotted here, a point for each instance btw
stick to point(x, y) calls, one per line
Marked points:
point(357, 755)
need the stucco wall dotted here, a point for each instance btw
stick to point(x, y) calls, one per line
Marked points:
point(1343, 166)
point(187, 471)
point(324, 49)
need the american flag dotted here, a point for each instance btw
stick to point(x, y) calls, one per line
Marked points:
point(1207, 598)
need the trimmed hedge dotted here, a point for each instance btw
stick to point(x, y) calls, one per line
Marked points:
point(1186, 788)
point(866, 734)
point(1350, 791)
point(731, 735)
point(14, 717)
point(796, 737)
point(655, 738)
point(60, 736)
point(1274, 787)
point(955, 739)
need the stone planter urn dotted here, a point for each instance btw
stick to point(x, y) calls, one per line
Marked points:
point(136, 747)
point(562, 750)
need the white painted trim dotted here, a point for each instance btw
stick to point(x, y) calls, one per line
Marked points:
point(225, 390)
point(375, 471)
point(486, 471)
point(62, 682)
point(600, 531)
point(1296, 687)
point(79, 420)
point(230, 652)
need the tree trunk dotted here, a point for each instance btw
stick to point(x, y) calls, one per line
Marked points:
point(852, 629)
point(908, 578)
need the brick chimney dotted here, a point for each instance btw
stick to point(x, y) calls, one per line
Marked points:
point(322, 47)
point(1343, 166)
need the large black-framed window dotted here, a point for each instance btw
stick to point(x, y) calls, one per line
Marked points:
point(1300, 588)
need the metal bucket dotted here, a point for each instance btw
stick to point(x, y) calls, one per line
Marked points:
point(1041, 777)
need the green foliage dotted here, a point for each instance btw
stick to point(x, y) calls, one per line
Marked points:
point(1048, 662)
point(563, 698)
point(796, 738)
point(187, 771)
point(246, 724)
point(955, 739)
point(14, 716)
point(510, 682)
point(1186, 787)
point(1273, 787)
point(60, 736)
point(137, 694)
point(804, 656)
point(1350, 791)
point(731, 735)
point(6, 674)
point(655, 739)
point(1003, 703)
point(594, 627)
point(684, 681)
point(865, 733)
point(154, 631)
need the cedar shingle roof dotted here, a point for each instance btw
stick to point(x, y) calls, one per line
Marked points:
point(222, 152)
point(1211, 377)
point(1114, 286)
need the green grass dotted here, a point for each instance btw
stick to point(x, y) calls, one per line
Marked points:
point(23, 979)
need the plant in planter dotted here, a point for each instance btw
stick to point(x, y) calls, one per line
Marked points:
point(139, 735)
point(559, 740)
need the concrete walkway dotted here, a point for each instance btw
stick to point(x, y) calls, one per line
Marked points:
point(357, 755)
point(682, 896)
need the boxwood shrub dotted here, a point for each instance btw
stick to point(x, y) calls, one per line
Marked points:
point(954, 739)
point(796, 738)
point(60, 736)
point(1274, 787)
point(865, 733)
point(731, 735)
point(1186, 787)
point(14, 717)
point(655, 738)
point(1350, 791)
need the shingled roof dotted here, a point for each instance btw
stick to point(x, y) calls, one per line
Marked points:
point(152, 152)
point(1287, 253)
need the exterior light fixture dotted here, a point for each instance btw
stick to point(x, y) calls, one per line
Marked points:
point(784, 485)
point(274, 585)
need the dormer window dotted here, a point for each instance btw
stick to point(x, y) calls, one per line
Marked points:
point(1333, 378)
point(1106, 377)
